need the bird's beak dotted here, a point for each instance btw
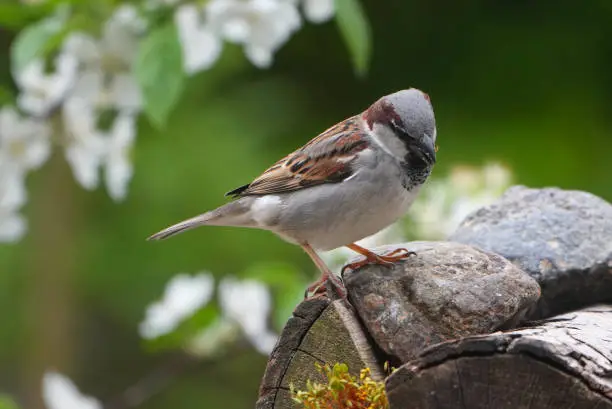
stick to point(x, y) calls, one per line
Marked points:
point(428, 149)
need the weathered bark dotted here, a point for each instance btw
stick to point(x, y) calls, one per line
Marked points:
point(563, 363)
point(319, 331)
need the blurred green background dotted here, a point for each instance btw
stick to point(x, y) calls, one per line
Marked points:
point(525, 82)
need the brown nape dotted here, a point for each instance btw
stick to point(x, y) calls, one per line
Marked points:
point(381, 112)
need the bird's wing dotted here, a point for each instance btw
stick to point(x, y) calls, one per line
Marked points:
point(325, 159)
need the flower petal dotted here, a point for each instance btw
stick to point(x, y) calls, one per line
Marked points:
point(12, 226)
point(319, 11)
point(125, 94)
point(201, 47)
point(60, 393)
point(183, 296)
point(248, 303)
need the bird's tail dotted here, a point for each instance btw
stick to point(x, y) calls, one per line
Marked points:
point(232, 214)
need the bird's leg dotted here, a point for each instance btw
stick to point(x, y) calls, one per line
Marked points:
point(326, 274)
point(386, 259)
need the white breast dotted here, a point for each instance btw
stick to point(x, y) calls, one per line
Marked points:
point(333, 215)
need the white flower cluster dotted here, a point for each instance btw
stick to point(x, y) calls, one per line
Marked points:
point(24, 146)
point(91, 79)
point(261, 27)
point(444, 203)
point(245, 307)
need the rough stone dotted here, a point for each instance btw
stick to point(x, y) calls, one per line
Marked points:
point(447, 291)
point(561, 238)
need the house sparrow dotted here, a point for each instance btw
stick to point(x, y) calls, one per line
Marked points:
point(351, 181)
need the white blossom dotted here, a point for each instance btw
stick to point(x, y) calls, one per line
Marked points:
point(60, 393)
point(12, 187)
point(183, 296)
point(12, 225)
point(105, 80)
point(201, 47)
point(41, 91)
point(318, 11)
point(117, 165)
point(88, 149)
point(248, 303)
point(24, 142)
point(261, 26)
point(12, 197)
point(127, 17)
point(24, 146)
point(84, 149)
point(104, 91)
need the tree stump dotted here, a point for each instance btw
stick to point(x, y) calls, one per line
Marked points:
point(564, 363)
point(320, 331)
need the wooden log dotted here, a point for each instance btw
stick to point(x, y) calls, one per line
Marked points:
point(562, 363)
point(320, 331)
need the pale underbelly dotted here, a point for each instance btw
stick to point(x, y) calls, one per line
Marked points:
point(333, 218)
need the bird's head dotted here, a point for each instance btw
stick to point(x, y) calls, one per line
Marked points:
point(404, 123)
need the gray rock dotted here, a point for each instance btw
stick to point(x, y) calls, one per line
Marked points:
point(446, 291)
point(561, 238)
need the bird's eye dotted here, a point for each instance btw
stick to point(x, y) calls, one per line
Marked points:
point(397, 128)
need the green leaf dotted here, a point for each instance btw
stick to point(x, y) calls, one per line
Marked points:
point(6, 95)
point(159, 71)
point(33, 41)
point(7, 403)
point(14, 15)
point(355, 30)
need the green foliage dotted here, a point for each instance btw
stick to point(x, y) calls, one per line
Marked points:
point(14, 15)
point(7, 403)
point(159, 71)
point(355, 30)
point(342, 390)
point(6, 96)
point(36, 41)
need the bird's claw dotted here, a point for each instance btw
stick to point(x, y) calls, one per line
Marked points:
point(387, 259)
point(321, 288)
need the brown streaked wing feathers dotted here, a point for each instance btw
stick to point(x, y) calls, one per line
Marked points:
point(325, 159)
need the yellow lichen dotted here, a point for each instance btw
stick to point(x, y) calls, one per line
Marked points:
point(342, 390)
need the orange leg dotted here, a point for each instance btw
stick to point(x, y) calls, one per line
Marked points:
point(386, 259)
point(318, 286)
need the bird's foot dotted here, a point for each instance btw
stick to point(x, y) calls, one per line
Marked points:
point(320, 287)
point(386, 259)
